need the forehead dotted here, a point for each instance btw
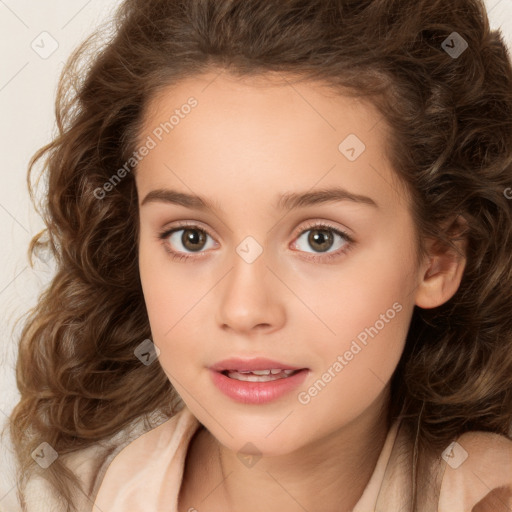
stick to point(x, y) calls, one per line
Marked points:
point(265, 96)
point(270, 130)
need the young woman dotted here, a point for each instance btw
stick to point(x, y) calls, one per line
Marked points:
point(283, 233)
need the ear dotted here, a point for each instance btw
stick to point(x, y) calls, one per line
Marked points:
point(441, 273)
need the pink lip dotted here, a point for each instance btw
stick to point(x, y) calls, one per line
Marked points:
point(257, 392)
point(259, 363)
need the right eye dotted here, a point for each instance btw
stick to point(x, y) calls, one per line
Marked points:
point(186, 239)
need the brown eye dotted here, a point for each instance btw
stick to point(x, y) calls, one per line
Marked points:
point(186, 239)
point(193, 239)
point(320, 239)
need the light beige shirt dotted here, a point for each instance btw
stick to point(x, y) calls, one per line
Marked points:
point(144, 475)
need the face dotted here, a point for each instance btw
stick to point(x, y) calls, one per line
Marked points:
point(325, 283)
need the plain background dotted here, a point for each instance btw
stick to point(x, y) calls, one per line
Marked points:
point(29, 30)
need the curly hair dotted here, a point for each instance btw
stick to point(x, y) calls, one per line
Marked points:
point(450, 143)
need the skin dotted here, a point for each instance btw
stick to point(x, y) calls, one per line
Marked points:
point(246, 142)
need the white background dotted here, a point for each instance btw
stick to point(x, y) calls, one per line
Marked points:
point(27, 92)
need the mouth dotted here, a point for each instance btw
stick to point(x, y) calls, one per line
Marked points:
point(239, 368)
point(249, 387)
point(260, 375)
point(256, 381)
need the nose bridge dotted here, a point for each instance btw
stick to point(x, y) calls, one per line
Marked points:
point(249, 296)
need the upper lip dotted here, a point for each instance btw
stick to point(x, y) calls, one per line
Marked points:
point(259, 363)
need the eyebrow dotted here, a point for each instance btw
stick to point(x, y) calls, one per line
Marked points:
point(287, 201)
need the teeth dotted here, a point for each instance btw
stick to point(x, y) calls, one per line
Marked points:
point(259, 375)
point(273, 371)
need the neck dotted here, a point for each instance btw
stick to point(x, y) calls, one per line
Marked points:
point(327, 474)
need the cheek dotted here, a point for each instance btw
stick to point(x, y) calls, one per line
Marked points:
point(158, 288)
point(354, 367)
point(167, 287)
point(367, 308)
point(353, 377)
point(173, 296)
point(371, 290)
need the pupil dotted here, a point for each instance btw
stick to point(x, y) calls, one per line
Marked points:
point(320, 237)
point(194, 237)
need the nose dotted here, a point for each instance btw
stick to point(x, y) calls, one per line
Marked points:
point(250, 298)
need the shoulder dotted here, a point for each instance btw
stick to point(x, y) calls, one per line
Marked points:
point(39, 494)
point(478, 474)
point(88, 464)
point(168, 436)
point(149, 469)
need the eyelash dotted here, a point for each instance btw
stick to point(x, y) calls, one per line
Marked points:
point(179, 256)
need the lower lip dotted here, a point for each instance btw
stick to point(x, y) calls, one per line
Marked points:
point(257, 392)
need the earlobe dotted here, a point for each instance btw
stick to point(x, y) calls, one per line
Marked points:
point(442, 272)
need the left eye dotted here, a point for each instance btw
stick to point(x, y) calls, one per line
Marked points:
point(322, 238)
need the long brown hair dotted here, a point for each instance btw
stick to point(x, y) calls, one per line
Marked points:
point(451, 144)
